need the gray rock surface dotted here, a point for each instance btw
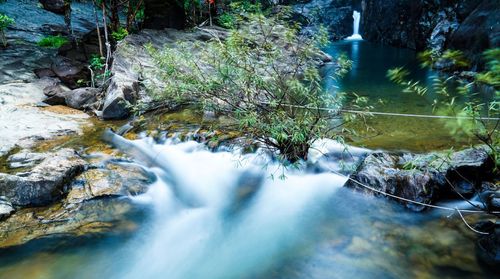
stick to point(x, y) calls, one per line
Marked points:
point(22, 123)
point(424, 178)
point(24, 159)
point(113, 181)
point(45, 182)
point(336, 15)
point(69, 71)
point(81, 98)
point(6, 208)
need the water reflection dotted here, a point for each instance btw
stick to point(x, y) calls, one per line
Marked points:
point(368, 78)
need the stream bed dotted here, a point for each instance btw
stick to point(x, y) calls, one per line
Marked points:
point(221, 215)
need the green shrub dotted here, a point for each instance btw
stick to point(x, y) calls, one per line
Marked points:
point(97, 62)
point(53, 41)
point(5, 21)
point(475, 116)
point(120, 34)
point(264, 76)
point(227, 20)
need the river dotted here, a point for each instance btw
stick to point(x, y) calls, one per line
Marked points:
point(229, 214)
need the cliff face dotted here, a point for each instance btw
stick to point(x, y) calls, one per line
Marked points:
point(335, 15)
point(412, 23)
point(469, 25)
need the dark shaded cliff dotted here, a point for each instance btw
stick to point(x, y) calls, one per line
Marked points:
point(468, 25)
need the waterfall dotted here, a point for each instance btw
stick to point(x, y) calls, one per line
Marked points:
point(219, 214)
point(355, 35)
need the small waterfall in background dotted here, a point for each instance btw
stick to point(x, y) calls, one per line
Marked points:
point(219, 214)
point(355, 35)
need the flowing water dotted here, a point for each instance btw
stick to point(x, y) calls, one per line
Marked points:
point(355, 34)
point(222, 215)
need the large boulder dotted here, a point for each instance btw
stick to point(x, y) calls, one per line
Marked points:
point(69, 71)
point(56, 94)
point(81, 98)
point(45, 182)
point(120, 95)
point(55, 6)
point(114, 181)
point(424, 178)
point(97, 202)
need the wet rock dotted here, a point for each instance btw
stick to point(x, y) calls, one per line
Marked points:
point(490, 195)
point(115, 181)
point(45, 183)
point(70, 72)
point(379, 171)
point(55, 6)
point(488, 246)
point(92, 217)
point(81, 98)
point(25, 159)
point(6, 208)
point(424, 178)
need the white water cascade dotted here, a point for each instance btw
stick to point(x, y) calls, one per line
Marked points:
point(219, 214)
point(355, 35)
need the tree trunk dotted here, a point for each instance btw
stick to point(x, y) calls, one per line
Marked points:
point(115, 19)
point(67, 21)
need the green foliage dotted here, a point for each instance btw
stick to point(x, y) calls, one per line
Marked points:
point(399, 76)
point(227, 20)
point(53, 41)
point(492, 75)
point(97, 62)
point(5, 21)
point(455, 59)
point(263, 76)
point(475, 116)
point(120, 34)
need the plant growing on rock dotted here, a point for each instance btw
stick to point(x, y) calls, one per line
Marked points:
point(5, 21)
point(119, 34)
point(264, 75)
point(53, 41)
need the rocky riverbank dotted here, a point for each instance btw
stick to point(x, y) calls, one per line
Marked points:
point(73, 191)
